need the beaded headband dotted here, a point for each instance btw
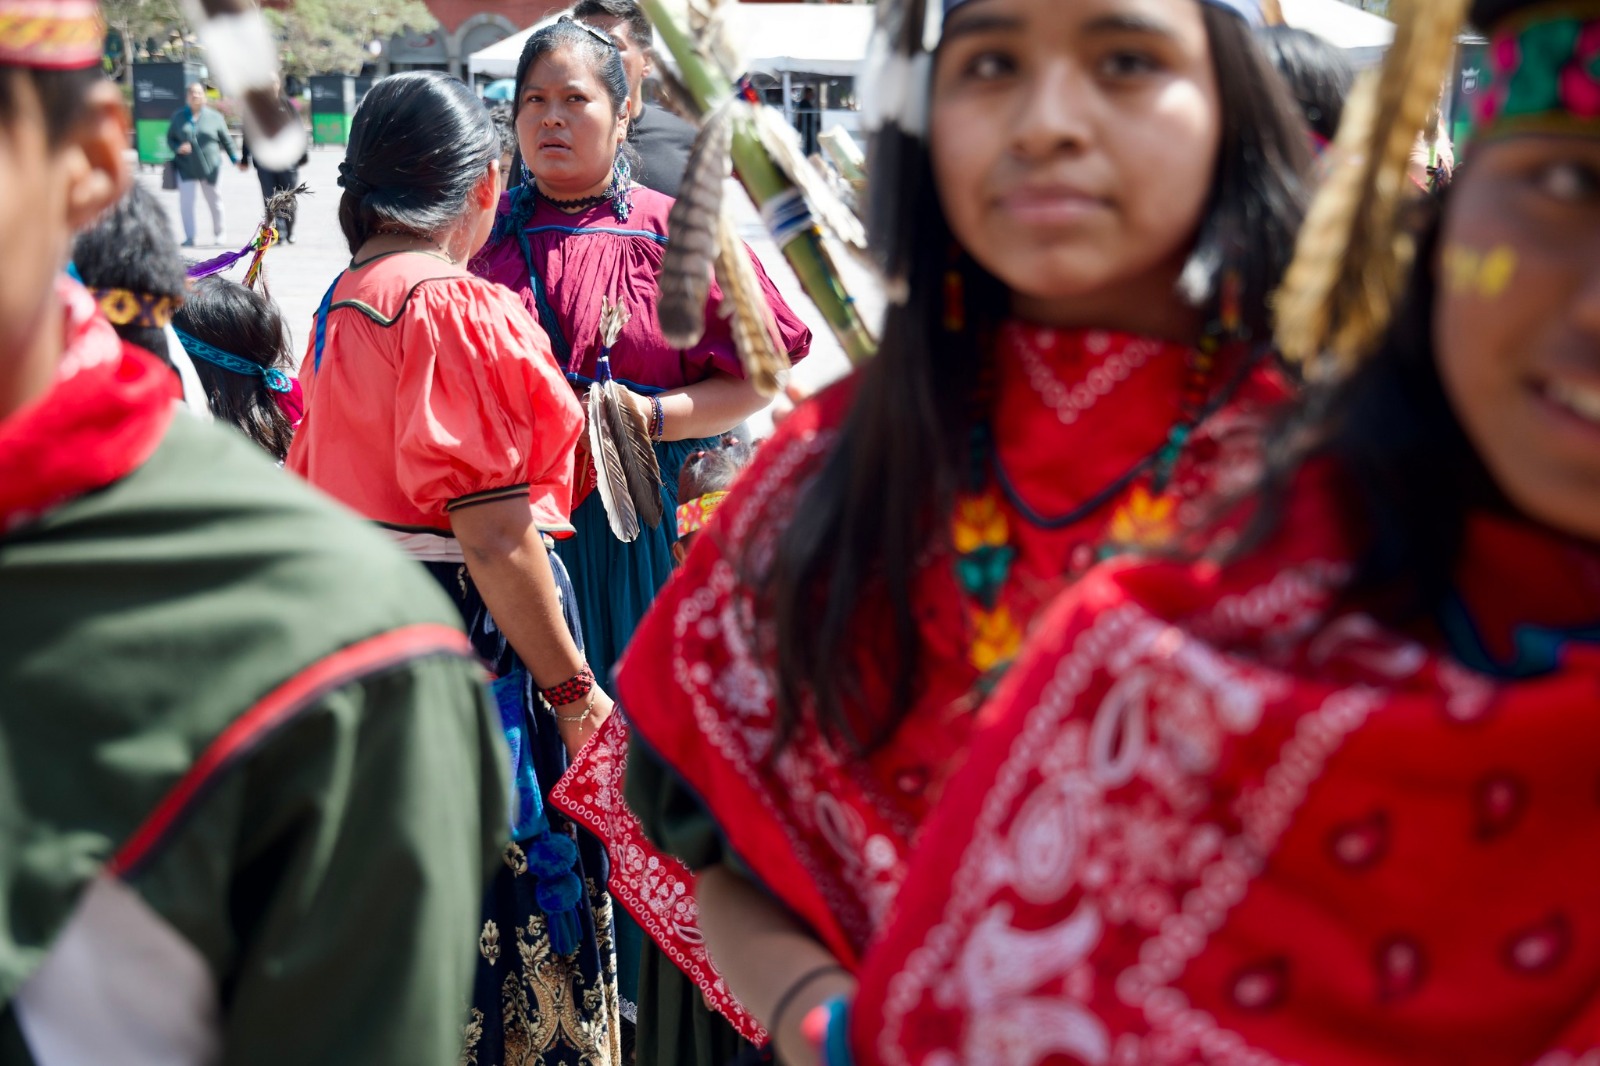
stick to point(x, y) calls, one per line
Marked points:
point(127, 308)
point(697, 512)
point(276, 379)
point(1543, 73)
point(51, 34)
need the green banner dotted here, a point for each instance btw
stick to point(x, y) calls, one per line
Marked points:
point(150, 137)
point(329, 129)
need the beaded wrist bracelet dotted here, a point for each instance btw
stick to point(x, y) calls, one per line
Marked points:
point(658, 418)
point(571, 690)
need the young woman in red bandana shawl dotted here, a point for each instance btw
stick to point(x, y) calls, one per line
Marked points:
point(1086, 232)
point(1337, 801)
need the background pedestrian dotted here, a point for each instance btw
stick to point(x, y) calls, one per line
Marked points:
point(198, 136)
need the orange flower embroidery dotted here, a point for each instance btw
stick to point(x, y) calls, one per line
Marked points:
point(1143, 521)
point(979, 523)
point(996, 639)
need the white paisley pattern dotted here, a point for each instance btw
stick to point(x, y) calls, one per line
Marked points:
point(1050, 829)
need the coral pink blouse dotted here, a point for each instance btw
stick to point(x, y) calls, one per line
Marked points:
point(435, 389)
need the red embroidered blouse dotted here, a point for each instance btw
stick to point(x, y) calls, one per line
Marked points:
point(829, 835)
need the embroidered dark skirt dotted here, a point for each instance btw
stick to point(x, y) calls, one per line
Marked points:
point(544, 995)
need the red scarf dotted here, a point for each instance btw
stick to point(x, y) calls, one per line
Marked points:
point(106, 411)
point(831, 836)
point(1221, 819)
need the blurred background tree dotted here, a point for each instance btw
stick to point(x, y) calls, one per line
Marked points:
point(331, 36)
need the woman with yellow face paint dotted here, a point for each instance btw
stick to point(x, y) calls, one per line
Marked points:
point(1337, 800)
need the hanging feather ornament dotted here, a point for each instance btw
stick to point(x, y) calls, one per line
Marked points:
point(242, 55)
point(627, 475)
point(1353, 253)
point(899, 65)
point(744, 301)
point(692, 233)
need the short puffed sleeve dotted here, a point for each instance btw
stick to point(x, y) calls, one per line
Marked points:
point(482, 412)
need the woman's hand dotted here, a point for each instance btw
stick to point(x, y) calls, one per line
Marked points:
point(185, 148)
point(576, 734)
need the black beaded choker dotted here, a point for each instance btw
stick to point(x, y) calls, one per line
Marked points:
point(576, 205)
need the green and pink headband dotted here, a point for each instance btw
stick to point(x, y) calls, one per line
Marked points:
point(1543, 73)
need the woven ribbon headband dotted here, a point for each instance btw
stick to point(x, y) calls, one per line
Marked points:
point(127, 308)
point(1543, 73)
point(276, 379)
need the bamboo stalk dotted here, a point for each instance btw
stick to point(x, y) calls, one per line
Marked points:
point(813, 264)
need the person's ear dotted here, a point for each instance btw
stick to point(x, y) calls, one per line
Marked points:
point(487, 192)
point(97, 173)
point(649, 64)
point(679, 552)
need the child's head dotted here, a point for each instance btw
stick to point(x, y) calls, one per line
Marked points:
point(240, 348)
point(1317, 72)
point(505, 128)
point(702, 484)
point(129, 260)
point(63, 132)
point(1091, 156)
point(423, 161)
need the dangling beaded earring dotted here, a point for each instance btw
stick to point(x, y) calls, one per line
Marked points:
point(955, 294)
point(527, 175)
point(621, 189)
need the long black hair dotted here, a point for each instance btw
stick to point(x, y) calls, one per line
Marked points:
point(1318, 74)
point(131, 247)
point(420, 142)
point(245, 323)
point(884, 492)
point(1406, 464)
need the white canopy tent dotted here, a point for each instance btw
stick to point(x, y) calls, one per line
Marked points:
point(825, 39)
point(1361, 33)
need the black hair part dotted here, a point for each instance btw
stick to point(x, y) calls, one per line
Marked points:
point(1317, 72)
point(131, 247)
point(245, 323)
point(420, 142)
point(884, 493)
point(596, 48)
point(712, 470)
point(61, 95)
point(629, 12)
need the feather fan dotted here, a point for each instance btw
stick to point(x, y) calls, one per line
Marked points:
point(627, 475)
point(692, 233)
point(1352, 254)
point(745, 302)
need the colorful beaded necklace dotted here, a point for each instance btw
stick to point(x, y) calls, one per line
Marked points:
point(981, 531)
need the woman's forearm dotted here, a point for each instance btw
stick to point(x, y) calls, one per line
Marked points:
point(707, 408)
point(764, 953)
point(506, 557)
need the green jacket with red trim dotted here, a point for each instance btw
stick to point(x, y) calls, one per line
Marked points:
point(251, 787)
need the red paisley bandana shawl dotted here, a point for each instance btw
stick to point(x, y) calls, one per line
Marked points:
point(105, 413)
point(828, 835)
point(1221, 819)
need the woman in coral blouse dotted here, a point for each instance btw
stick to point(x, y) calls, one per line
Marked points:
point(435, 409)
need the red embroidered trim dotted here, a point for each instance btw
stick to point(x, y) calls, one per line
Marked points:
point(278, 707)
